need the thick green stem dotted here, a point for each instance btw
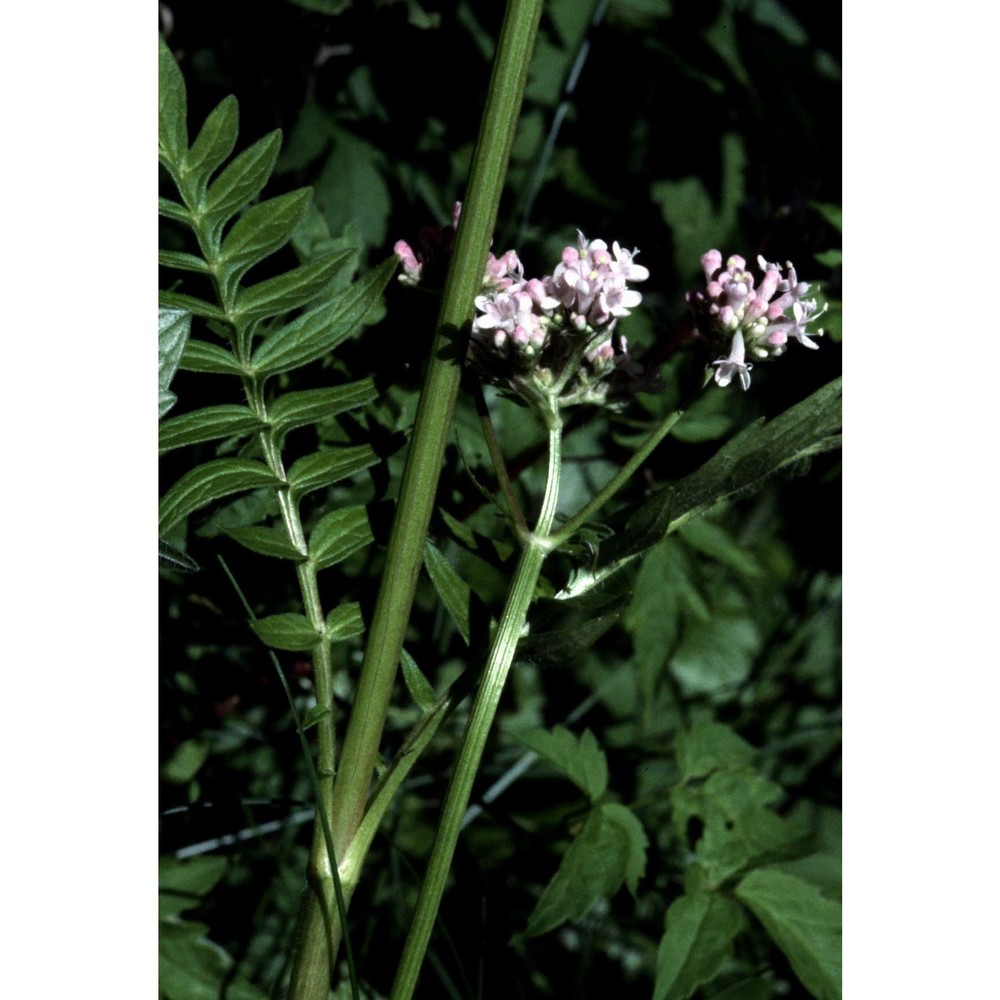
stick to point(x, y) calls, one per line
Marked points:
point(316, 948)
point(480, 722)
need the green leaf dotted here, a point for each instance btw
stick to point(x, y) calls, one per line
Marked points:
point(421, 690)
point(175, 327)
point(200, 356)
point(208, 482)
point(608, 851)
point(173, 109)
point(714, 541)
point(286, 631)
point(313, 716)
point(320, 330)
point(182, 261)
point(241, 181)
point(562, 629)
point(173, 558)
point(325, 468)
point(805, 926)
point(580, 758)
point(337, 535)
point(298, 409)
point(185, 762)
point(256, 234)
point(173, 210)
point(182, 883)
point(293, 289)
point(455, 593)
point(709, 746)
point(832, 213)
point(206, 425)
point(209, 151)
point(696, 943)
point(265, 541)
point(178, 300)
point(741, 466)
point(194, 968)
point(344, 622)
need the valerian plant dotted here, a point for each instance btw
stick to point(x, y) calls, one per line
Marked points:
point(660, 830)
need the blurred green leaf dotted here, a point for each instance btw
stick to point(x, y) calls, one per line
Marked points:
point(206, 425)
point(804, 925)
point(183, 883)
point(286, 631)
point(185, 762)
point(421, 690)
point(208, 482)
point(696, 944)
point(320, 330)
point(455, 593)
point(708, 746)
point(714, 541)
point(337, 535)
point(580, 758)
point(834, 214)
point(175, 327)
point(609, 850)
point(194, 968)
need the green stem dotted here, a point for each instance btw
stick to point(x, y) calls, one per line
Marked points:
point(625, 473)
point(480, 722)
point(316, 949)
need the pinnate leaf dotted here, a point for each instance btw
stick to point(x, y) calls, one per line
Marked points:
point(183, 261)
point(257, 233)
point(286, 631)
point(609, 850)
point(200, 356)
point(320, 330)
point(241, 181)
point(337, 535)
point(298, 409)
point(173, 109)
point(580, 758)
point(325, 468)
point(265, 541)
point(210, 481)
point(175, 327)
point(804, 924)
point(211, 148)
point(178, 300)
point(207, 424)
point(293, 289)
point(696, 943)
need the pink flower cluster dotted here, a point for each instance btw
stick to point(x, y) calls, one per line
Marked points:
point(753, 320)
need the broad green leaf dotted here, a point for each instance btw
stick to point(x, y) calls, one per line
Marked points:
point(741, 466)
point(344, 622)
point(708, 746)
point(210, 481)
point(337, 535)
point(257, 233)
point(325, 468)
point(207, 425)
point(293, 289)
point(173, 110)
point(183, 882)
point(265, 541)
point(696, 943)
point(804, 925)
point(580, 758)
point(286, 631)
point(194, 968)
point(241, 181)
point(455, 593)
point(175, 327)
point(298, 409)
point(610, 850)
point(421, 690)
point(320, 330)
point(178, 300)
point(185, 762)
point(182, 261)
point(740, 827)
point(714, 541)
point(200, 356)
point(209, 151)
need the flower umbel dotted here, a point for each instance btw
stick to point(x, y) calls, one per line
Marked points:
point(755, 320)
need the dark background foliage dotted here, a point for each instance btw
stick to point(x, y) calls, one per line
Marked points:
point(690, 126)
